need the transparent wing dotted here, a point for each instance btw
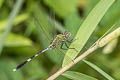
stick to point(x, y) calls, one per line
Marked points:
point(45, 27)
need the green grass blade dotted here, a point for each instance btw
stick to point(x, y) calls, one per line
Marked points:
point(99, 70)
point(77, 76)
point(87, 28)
point(12, 16)
point(15, 40)
point(20, 18)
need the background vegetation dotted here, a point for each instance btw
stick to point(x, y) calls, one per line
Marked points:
point(33, 29)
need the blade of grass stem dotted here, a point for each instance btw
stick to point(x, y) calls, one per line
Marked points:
point(12, 16)
point(98, 70)
point(87, 28)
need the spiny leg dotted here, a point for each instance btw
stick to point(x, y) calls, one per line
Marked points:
point(66, 46)
point(70, 41)
point(65, 49)
point(69, 47)
point(61, 47)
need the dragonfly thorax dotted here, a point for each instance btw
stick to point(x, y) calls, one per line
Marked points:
point(59, 39)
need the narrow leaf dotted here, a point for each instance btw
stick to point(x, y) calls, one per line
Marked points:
point(13, 14)
point(77, 76)
point(99, 70)
point(87, 28)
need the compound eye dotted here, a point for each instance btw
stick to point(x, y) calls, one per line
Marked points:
point(67, 34)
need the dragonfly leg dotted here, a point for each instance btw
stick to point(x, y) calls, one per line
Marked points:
point(70, 41)
point(61, 47)
point(69, 47)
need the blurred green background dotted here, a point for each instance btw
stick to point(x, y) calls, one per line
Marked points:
point(35, 26)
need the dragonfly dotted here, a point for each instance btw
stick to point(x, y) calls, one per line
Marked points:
point(61, 39)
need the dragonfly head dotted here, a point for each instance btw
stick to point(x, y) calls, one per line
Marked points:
point(67, 34)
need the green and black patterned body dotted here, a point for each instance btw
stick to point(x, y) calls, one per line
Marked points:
point(59, 39)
